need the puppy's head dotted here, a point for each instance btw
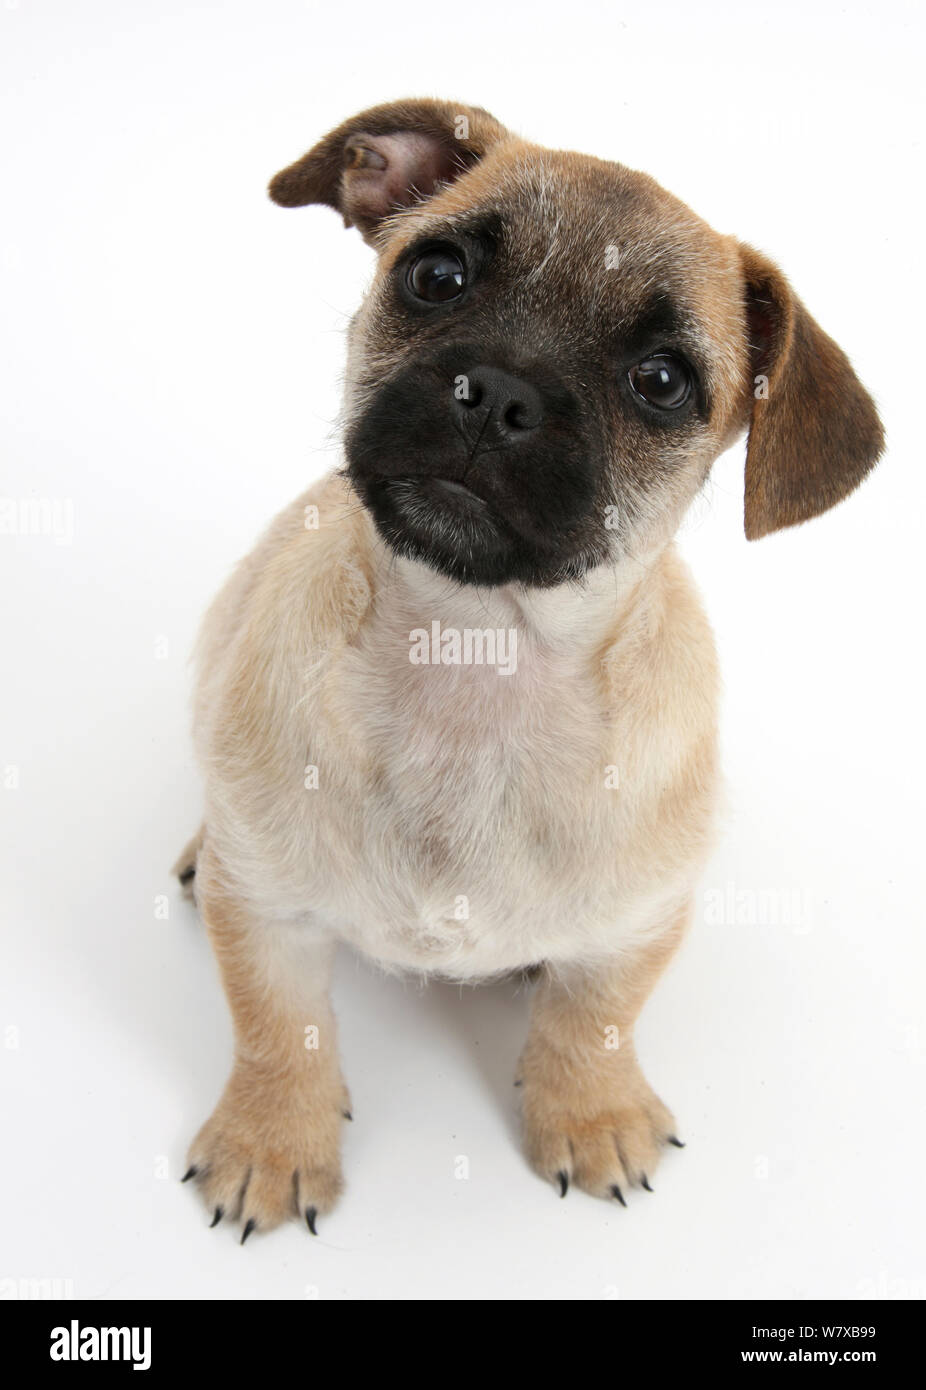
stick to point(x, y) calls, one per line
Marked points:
point(554, 350)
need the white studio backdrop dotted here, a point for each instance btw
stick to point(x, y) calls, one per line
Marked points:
point(172, 351)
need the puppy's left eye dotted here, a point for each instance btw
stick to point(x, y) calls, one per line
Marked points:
point(436, 276)
point(662, 380)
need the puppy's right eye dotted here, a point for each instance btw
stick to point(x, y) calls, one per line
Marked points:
point(436, 276)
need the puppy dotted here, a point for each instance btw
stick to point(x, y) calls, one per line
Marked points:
point(457, 708)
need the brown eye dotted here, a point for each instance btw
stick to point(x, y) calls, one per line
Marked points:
point(436, 276)
point(663, 381)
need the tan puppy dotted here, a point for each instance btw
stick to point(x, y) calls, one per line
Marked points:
point(457, 708)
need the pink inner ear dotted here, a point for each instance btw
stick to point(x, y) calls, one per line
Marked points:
point(384, 173)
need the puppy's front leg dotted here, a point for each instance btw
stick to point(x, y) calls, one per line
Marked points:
point(590, 1116)
point(271, 1149)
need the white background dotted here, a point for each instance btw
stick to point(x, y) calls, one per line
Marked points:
point(171, 359)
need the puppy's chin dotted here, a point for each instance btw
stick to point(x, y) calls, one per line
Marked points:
point(446, 526)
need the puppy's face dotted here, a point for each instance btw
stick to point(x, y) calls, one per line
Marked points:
point(554, 350)
point(548, 362)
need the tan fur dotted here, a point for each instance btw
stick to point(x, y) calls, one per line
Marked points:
point(270, 1150)
point(590, 1116)
point(467, 824)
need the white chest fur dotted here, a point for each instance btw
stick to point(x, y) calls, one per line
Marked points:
point(489, 829)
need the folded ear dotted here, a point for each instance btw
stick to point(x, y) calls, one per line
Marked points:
point(388, 158)
point(814, 432)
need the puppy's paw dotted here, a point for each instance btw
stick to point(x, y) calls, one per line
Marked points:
point(262, 1159)
point(604, 1139)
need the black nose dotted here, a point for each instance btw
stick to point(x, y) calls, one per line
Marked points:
point(493, 406)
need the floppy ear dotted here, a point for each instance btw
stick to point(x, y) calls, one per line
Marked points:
point(386, 159)
point(814, 432)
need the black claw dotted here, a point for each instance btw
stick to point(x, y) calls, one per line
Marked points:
point(563, 1183)
point(310, 1215)
point(190, 1173)
point(644, 1182)
point(187, 876)
point(252, 1224)
point(616, 1192)
point(673, 1139)
point(347, 1115)
point(518, 1083)
point(219, 1213)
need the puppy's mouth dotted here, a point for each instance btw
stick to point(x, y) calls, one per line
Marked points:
point(441, 522)
point(456, 494)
